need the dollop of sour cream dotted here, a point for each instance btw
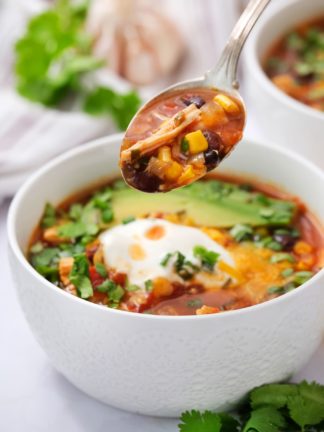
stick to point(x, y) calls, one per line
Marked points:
point(139, 247)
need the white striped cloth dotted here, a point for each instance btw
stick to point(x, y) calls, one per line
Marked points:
point(30, 135)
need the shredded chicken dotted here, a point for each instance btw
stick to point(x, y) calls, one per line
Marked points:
point(65, 267)
point(168, 130)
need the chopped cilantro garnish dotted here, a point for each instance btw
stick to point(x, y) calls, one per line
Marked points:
point(183, 267)
point(302, 277)
point(241, 232)
point(272, 408)
point(75, 211)
point(166, 259)
point(276, 290)
point(194, 303)
point(115, 292)
point(77, 229)
point(208, 258)
point(148, 285)
point(106, 286)
point(287, 272)
point(49, 216)
point(273, 245)
point(184, 145)
point(279, 257)
point(101, 269)
point(128, 220)
point(79, 276)
point(132, 287)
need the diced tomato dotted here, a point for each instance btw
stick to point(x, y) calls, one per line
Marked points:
point(118, 278)
point(95, 277)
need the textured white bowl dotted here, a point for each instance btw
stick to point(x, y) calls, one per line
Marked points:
point(281, 118)
point(161, 365)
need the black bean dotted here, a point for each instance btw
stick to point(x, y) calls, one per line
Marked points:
point(197, 100)
point(146, 182)
point(214, 141)
point(287, 241)
point(212, 159)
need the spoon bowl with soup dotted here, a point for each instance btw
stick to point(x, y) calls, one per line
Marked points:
point(188, 129)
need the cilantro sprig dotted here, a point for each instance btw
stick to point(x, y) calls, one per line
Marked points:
point(55, 54)
point(272, 408)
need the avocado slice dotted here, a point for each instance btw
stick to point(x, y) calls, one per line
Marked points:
point(209, 203)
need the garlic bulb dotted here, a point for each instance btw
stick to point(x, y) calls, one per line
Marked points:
point(137, 42)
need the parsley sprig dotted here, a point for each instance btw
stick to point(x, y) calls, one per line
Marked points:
point(55, 54)
point(271, 408)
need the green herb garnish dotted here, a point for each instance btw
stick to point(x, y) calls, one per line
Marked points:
point(166, 259)
point(208, 258)
point(148, 285)
point(272, 408)
point(121, 107)
point(79, 276)
point(132, 287)
point(287, 272)
point(49, 217)
point(52, 73)
point(302, 277)
point(101, 270)
point(128, 220)
point(241, 232)
point(184, 146)
point(194, 303)
point(279, 257)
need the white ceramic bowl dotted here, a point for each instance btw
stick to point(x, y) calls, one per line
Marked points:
point(160, 365)
point(281, 118)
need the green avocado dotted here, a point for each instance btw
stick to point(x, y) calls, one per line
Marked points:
point(209, 203)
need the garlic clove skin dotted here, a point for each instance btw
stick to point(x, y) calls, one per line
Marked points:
point(136, 41)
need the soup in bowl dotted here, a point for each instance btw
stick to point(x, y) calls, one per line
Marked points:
point(285, 43)
point(161, 304)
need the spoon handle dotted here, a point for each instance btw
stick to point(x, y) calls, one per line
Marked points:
point(225, 71)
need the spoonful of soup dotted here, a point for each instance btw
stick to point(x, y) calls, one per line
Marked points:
point(188, 129)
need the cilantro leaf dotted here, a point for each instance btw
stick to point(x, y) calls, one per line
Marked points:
point(275, 395)
point(307, 407)
point(101, 269)
point(49, 216)
point(121, 107)
point(79, 276)
point(52, 72)
point(208, 257)
point(265, 419)
point(194, 421)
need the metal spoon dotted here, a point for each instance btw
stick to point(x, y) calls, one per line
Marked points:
point(223, 75)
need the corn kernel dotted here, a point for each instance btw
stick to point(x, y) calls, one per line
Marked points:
point(197, 142)
point(301, 248)
point(216, 235)
point(172, 217)
point(187, 175)
point(204, 310)
point(306, 263)
point(164, 154)
point(173, 172)
point(227, 103)
point(162, 287)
